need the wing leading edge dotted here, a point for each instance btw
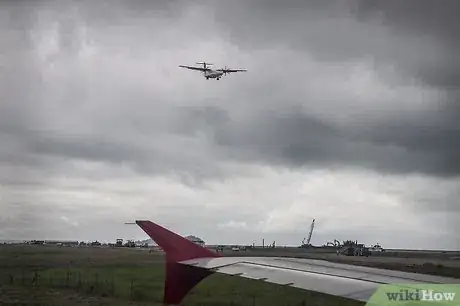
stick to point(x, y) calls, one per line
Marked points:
point(187, 264)
point(195, 68)
point(225, 70)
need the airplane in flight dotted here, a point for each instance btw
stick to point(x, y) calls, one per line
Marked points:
point(209, 73)
point(188, 263)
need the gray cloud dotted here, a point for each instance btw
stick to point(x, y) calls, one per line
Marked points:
point(425, 18)
point(417, 37)
point(289, 138)
point(297, 140)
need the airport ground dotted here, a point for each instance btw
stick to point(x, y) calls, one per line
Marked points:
point(45, 275)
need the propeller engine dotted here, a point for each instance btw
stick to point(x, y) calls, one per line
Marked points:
point(223, 70)
point(205, 65)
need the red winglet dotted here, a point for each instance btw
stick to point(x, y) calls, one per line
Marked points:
point(180, 279)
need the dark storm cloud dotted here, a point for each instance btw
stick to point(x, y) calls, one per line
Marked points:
point(424, 16)
point(421, 38)
point(297, 140)
point(432, 18)
point(439, 142)
point(288, 138)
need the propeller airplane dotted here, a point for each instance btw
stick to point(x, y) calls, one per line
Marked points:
point(209, 73)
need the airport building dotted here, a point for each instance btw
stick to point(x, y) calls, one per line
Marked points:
point(61, 242)
point(195, 239)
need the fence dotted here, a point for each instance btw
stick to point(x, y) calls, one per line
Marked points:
point(88, 283)
point(100, 284)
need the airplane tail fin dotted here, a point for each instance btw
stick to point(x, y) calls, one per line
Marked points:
point(180, 279)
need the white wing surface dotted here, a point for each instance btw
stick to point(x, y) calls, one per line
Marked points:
point(348, 281)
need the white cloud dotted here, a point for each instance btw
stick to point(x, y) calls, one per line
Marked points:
point(347, 204)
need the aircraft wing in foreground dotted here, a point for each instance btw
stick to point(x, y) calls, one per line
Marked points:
point(188, 263)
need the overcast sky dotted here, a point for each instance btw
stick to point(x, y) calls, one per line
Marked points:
point(349, 113)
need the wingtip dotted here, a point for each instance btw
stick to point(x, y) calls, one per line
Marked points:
point(176, 247)
point(180, 279)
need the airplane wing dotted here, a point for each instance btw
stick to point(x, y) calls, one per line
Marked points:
point(195, 68)
point(188, 263)
point(231, 70)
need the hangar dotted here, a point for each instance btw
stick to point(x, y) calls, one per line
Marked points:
point(195, 239)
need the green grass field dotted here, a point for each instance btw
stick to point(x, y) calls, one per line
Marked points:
point(103, 276)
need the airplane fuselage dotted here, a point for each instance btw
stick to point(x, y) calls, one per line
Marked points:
point(213, 74)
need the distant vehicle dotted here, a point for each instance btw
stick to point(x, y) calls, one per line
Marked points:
point(363, 251)
point(354, 250)
point(209, 73)
point(376, 248)
point(129, 244)
point(37, 242)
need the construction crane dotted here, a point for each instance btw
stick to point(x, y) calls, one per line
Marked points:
point(307, 243)
point(312, 226)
